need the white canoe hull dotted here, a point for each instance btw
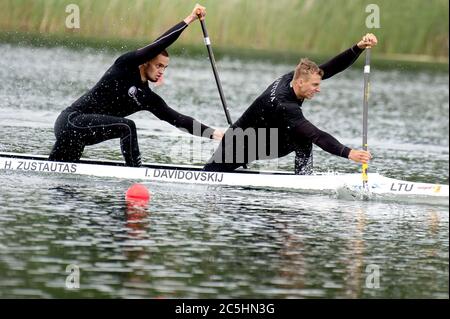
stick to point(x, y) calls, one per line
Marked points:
point(378, 184)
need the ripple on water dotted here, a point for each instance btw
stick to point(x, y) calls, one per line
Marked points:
point(210, 242)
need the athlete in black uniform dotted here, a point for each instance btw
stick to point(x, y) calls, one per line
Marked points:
point(279, 108)
point(99, 115)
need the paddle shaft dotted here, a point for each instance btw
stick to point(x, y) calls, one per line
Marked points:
point(216, 74)
point(365, 167)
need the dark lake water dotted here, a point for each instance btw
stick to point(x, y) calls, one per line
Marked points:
point(197, 241)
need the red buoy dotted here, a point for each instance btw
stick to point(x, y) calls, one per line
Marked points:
point(138, 192)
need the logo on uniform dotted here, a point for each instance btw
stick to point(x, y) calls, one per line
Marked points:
point(132, 91)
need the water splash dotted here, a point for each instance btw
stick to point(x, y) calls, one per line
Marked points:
point(354, 193)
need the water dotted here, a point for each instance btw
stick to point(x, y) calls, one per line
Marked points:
point(198, 241)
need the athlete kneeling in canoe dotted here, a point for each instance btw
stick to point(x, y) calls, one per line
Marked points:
point(279, 108)
point(100, 114)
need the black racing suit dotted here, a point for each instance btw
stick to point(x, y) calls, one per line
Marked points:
point(99, 115)
point(251, 138)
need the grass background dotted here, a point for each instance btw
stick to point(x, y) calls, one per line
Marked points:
point(411, 30)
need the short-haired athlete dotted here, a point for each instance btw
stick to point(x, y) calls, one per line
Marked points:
point(100, 114)
point(279, 107)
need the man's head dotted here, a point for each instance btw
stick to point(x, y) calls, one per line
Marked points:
point(307, 79)
point(153, 70)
